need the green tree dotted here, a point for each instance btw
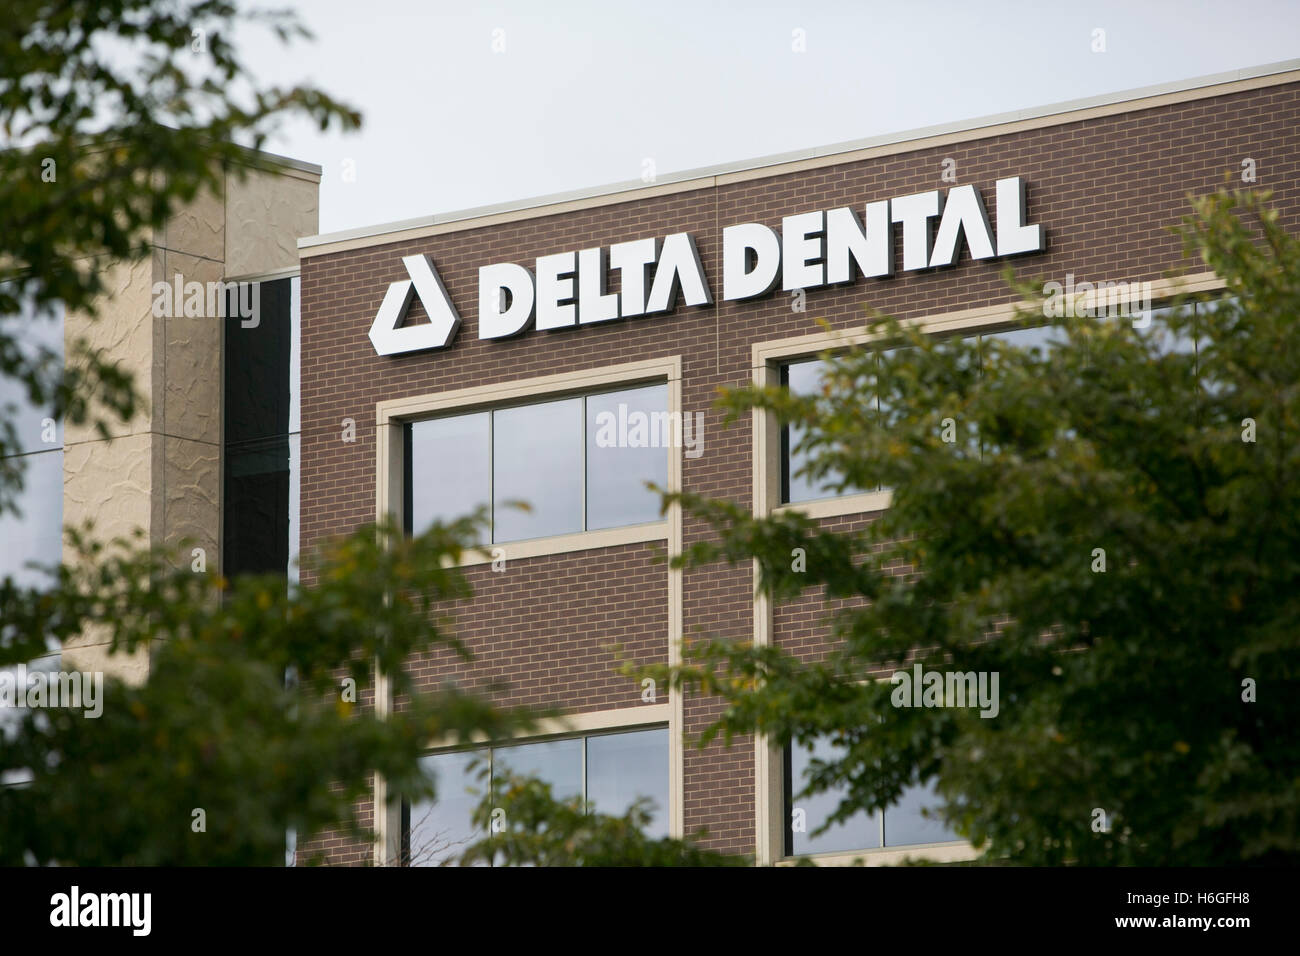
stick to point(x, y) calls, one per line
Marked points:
point(115, 114)
point(215, 727)
point(1160, 691)
point(525, 825)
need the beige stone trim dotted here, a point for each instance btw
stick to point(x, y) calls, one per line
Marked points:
point(769, 821)
point(392, 414)
point(1012, 127)
point(288, 272)
point(565, 543)
point(426, 230)
point(288, 173)
point(842, 505)
point(569, 725)
point(983, 317)
point(275, 162)
point(676, 719)
point(892, 856)
point(945, 135)
point(505, 393)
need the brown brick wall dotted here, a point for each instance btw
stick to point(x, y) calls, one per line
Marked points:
point(1104, 189)
point(555, 628)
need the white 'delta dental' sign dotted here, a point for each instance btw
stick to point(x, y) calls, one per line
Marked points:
point(812, 249)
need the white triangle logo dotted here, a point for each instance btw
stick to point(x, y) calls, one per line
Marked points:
point(385, 334)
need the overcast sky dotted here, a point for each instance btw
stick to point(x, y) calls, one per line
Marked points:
point(467, 104)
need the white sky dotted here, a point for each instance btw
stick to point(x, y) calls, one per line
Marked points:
point(587, 90)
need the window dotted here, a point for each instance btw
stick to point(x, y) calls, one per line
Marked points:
point(606, 771)
point(12, 717)
point(901, 825)
point(33, 535)
point(535, 449)
point(621, 459)
point(1042, 337)
point(801, 378)
point(31, 525)
point(805, 378)
point(32, 530)
point(1170, 342)
point(580, 464)
point(262, 428)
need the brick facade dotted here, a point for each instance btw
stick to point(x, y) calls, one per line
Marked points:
point(1104, 189)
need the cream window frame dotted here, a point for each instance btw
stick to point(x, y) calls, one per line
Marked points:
point(766, 357)
point(391, 416)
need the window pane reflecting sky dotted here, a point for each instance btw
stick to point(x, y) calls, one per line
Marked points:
point(860, 832)
point(557, 762)
point(805, 378)
point(622, 767)
point(444, 827)
point(449, 468)
point(616, 470)
point(31, 333)
point(904, 824)
point(37, 533)
point(537, 458)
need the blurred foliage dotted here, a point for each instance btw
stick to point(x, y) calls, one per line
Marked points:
point(114, 114)
point(527, 826)
point(1120, 691)
point(215, 725)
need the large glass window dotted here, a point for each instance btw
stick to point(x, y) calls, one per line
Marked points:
point(901, 825)
point(38, 337)
point(537, 459)
point(555, 762)
point(11, 717)
point(32, 531)
point(439, 829)
point(1042, 337)
point(606, 771)
point(578, 463)
point(627, 433)
point(34, 535)
point(806, 378)
point(623, 767)
point(1188, 341)
point(262, 434)
point(801, 378)
point(452, 459)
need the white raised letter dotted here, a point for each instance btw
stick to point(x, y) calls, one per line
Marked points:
point(631, 260)
point(738, 281)
point(594, 305)
point(964, 212)
point(496, 320)
point(679, 266)
point(555, 292)
point(1014, 237)
point(871, 248)
point(915, 213)
point(803, 250)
